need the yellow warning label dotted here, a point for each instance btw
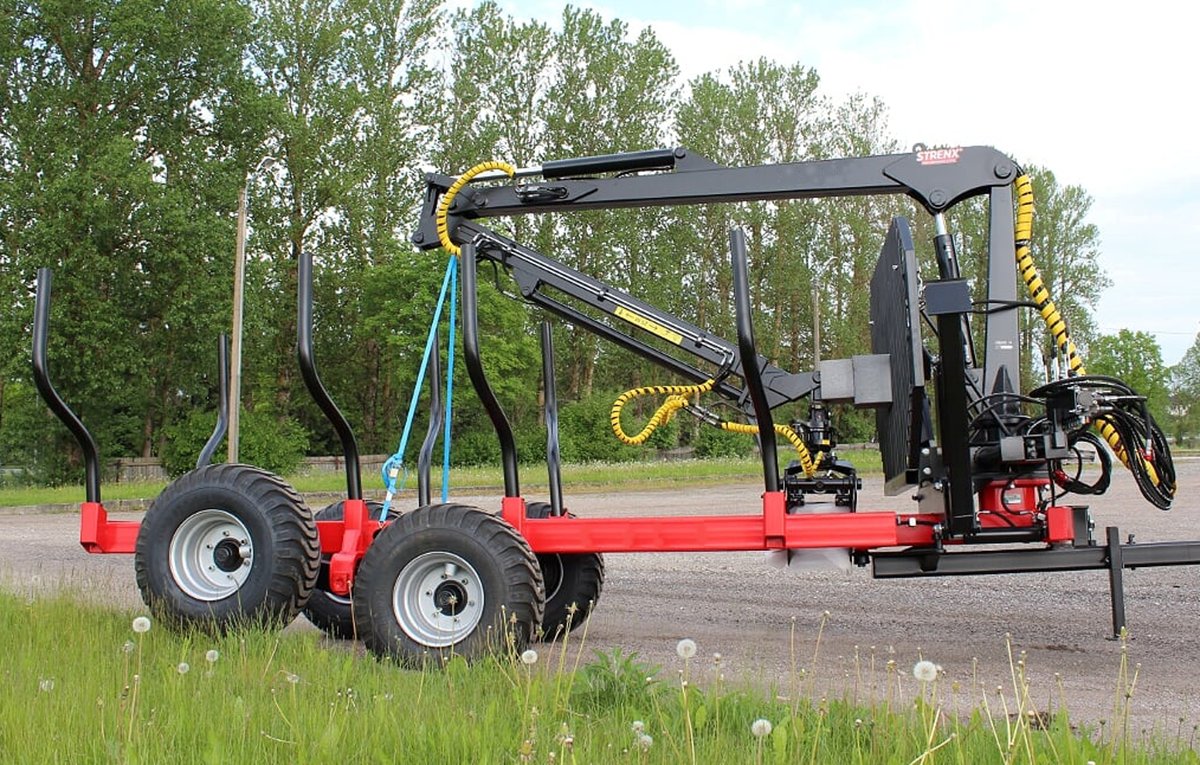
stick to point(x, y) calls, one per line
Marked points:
point(649, 325)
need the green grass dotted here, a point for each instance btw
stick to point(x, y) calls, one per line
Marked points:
point(597, 475)
point(81, 686)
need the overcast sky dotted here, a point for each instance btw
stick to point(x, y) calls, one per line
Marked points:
point(1101, 93)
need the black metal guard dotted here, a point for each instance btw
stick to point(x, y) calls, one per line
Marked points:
point(41, 378)
point(487, 397)
point(222, 426)
point(749, 360)
point(308, 370)
point(433, 371)
point(553, 457)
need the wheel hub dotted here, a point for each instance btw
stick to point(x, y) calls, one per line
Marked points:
point(226, 555)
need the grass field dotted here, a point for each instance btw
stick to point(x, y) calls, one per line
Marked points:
point(596, 475)
point(82, 685)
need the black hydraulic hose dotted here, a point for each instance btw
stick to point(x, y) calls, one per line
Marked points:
point(41, 378)
point(487, 397)
point(222, 426)
point(308, 370)
point(433, 371)
point(748, 356)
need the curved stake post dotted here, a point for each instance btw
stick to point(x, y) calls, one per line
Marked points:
point(513, 505)
point(348, 538)
point(436, 418)
point(774, 500)
point(222, 426)
point(97, 534)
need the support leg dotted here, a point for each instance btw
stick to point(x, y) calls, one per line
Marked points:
point(1116, 579)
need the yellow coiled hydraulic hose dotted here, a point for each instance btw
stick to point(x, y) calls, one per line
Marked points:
point(677, 398)
point(1055, 322)
point(443, 208)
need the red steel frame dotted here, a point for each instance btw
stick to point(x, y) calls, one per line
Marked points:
point(774, 529)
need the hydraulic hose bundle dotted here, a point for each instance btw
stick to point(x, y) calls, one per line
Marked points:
point(677, 398)
point(1126, 423)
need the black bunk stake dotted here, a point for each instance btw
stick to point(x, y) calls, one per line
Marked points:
point(470, 312)
point(749, 360)
point(222, 426)
point(308, 370)
point(41, 378)
point(553, 458)
point(433, 371)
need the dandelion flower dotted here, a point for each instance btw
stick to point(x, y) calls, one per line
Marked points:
point(760, 728)
point(46, 684)
point(529, 656)
point(184, 667)
point(212, 656)
point(686, 648)
point(141, 625)
point(645, 741)
point(925, 671)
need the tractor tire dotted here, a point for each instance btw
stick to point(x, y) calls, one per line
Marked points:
point(573, 582)
point(447, 580)
point(329, 612)
point(226, 545)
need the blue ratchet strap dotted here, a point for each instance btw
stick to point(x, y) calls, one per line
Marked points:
point(449, 385)
point(394, 464)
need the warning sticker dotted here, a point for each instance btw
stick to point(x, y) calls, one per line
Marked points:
point(649, 325)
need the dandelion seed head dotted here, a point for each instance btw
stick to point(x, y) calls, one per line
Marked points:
point(46, 684)
point(294, 678)
point(128, 647)
point(925, 671)
point(686, 648)
point(760, 727)
point(645, 741)
point(529, 656)
point(638, 726)
point(141, 625)
point(183, 667)
point(212, 656)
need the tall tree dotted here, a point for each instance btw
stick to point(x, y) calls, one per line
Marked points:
point(1185, 395)
point(118, 141)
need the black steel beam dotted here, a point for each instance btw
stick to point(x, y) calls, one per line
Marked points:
point(915, 563)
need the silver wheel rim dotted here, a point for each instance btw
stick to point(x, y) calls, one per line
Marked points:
point(438, 600)
point(210, 555)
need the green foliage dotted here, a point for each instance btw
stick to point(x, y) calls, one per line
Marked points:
point(264, 441)
point(1136, 359)
point(1185, 396)
point(714, 442)
point(586, 433)
point(617, 680)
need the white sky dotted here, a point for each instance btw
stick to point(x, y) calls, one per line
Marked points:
point(1102, 93)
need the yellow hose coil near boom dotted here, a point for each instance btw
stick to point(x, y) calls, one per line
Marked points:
point(443, 209)
point(677, 398)
point(1054, 320)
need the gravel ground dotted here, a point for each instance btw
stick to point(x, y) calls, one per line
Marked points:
point(736, 605)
